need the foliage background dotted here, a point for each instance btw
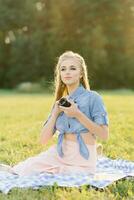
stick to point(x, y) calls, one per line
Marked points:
point(34, 33)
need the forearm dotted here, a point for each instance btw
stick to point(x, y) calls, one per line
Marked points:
point(92, 126)
point(47, 131)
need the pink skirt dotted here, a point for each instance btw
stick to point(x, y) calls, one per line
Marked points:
point(50, 161)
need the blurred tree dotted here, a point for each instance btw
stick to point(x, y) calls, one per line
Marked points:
point(34, 33)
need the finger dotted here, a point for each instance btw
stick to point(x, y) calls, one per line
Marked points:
point(57, 102)
point(63, 108)
point(72, 102)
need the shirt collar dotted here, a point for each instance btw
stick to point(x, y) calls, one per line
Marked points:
point(77, 92)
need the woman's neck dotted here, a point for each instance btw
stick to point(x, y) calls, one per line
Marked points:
point(72, 88)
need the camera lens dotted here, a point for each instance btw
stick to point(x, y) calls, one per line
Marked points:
point(63, 102)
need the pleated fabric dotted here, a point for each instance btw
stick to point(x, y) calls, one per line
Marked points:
point(50, 161)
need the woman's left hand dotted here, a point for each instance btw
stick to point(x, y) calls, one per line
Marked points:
point(71, 111)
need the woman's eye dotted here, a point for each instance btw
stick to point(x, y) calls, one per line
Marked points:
point(70, 69)
point(73, 69)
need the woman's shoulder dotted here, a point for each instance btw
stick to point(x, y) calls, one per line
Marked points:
point(93, 94)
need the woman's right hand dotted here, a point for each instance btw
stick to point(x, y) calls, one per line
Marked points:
point(56, 110)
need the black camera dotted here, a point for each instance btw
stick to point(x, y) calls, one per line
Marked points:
point(63, 102)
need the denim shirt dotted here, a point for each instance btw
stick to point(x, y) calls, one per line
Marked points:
point(91, 104)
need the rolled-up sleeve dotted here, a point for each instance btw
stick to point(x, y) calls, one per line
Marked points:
point(98, 111)
point(48, 120)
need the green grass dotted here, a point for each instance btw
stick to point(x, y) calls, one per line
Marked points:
point(21, 120)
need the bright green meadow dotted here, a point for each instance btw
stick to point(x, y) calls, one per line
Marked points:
point(21, 119)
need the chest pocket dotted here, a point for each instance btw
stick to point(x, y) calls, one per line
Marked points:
point(82, 108)
point(85, 108)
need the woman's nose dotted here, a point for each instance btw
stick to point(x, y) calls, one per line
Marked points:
point(68, 71)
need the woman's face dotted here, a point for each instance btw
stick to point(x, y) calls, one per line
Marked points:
point(70, 71)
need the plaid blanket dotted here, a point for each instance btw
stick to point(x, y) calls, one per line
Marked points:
point(108, 171)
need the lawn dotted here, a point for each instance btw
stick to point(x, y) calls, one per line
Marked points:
point(21, 120)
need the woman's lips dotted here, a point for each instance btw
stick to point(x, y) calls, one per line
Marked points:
point(67, 77)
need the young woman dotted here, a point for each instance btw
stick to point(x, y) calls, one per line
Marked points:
point(77, 125)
